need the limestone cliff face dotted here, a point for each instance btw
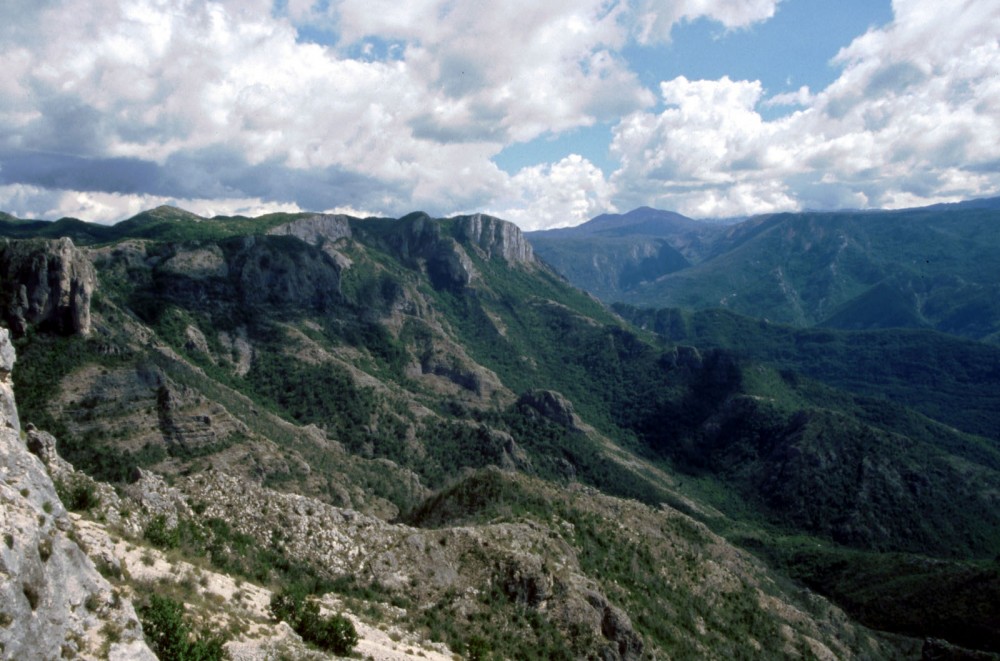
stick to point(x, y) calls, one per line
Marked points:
point(269, 275)
point(46, 283)
point(420, 239)
point(446, 257)
point(53, 602)
point(496, 238)
point(316, 229)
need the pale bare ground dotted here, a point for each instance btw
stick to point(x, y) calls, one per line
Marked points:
point(222, 599)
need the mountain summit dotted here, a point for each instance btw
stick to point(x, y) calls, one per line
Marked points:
point(931, 268)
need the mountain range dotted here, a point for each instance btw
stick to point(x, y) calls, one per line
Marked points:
point(930, 268)
point(419, 423)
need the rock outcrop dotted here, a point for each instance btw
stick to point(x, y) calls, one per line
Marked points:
point(495, 237)
point(9, 419)
point(316, 229)
point(191, 422)
point(268, 275)
point(445, 256)
point(53, 601)
point(198, 263)
point(551, 405)
point(527, 563)
point(47, 284)
point(419, 240)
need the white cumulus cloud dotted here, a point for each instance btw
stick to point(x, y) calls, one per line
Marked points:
point(108, 104)
point(555, 195)
point(655, 18)
point(913, 118)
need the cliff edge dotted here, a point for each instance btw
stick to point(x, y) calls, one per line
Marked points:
point(53, 601)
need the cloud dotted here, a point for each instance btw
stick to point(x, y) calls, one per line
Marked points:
point(107, 102)
point(556, 195)
point(188, 99)
point(801, 97)
point(913, 118)
point(654, 19)
point(512, 70)
point(707, 153)
point(214, 172)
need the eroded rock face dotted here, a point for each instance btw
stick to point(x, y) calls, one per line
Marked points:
point(551, 405)
point(420, 238)
point(46, 283)
point(269, 275)
point(496, 238)
point(623, 642)
point(53, 602)
point(316, 229)
point(191, 421)
point(198, 263)
point(8, 409)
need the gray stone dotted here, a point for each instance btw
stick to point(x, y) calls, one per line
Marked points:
point(8, 409)
point(496, 238)
point(316, 229)
point(55, 601)
point(552, 405)
point(46, 283)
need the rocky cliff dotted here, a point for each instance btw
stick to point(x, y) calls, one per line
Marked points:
point(496, 238)
point(443, 248)
point(53, 601)
point(54, 285)
point(316, 229)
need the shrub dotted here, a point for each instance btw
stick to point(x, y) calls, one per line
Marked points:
point(78, 495)
point(334, 634)
point(158, 533)
point(170, 636)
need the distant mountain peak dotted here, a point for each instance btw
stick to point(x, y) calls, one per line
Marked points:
point(644, 221)
point(167, 212)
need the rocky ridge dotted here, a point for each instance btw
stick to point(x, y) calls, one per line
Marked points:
point(316, 229)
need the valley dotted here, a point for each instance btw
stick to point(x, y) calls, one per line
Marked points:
point(425, 426)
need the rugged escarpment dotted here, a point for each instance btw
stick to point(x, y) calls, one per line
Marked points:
point(443, 247)
point(495, 237)
point(316, 229)
point(54, 286)
point(53, 601)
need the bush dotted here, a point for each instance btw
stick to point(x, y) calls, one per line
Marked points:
point(334, 634)
point(78, 495)
point(170, 636)
point(160, 534)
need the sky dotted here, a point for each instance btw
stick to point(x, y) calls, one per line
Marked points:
point(543, 113)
